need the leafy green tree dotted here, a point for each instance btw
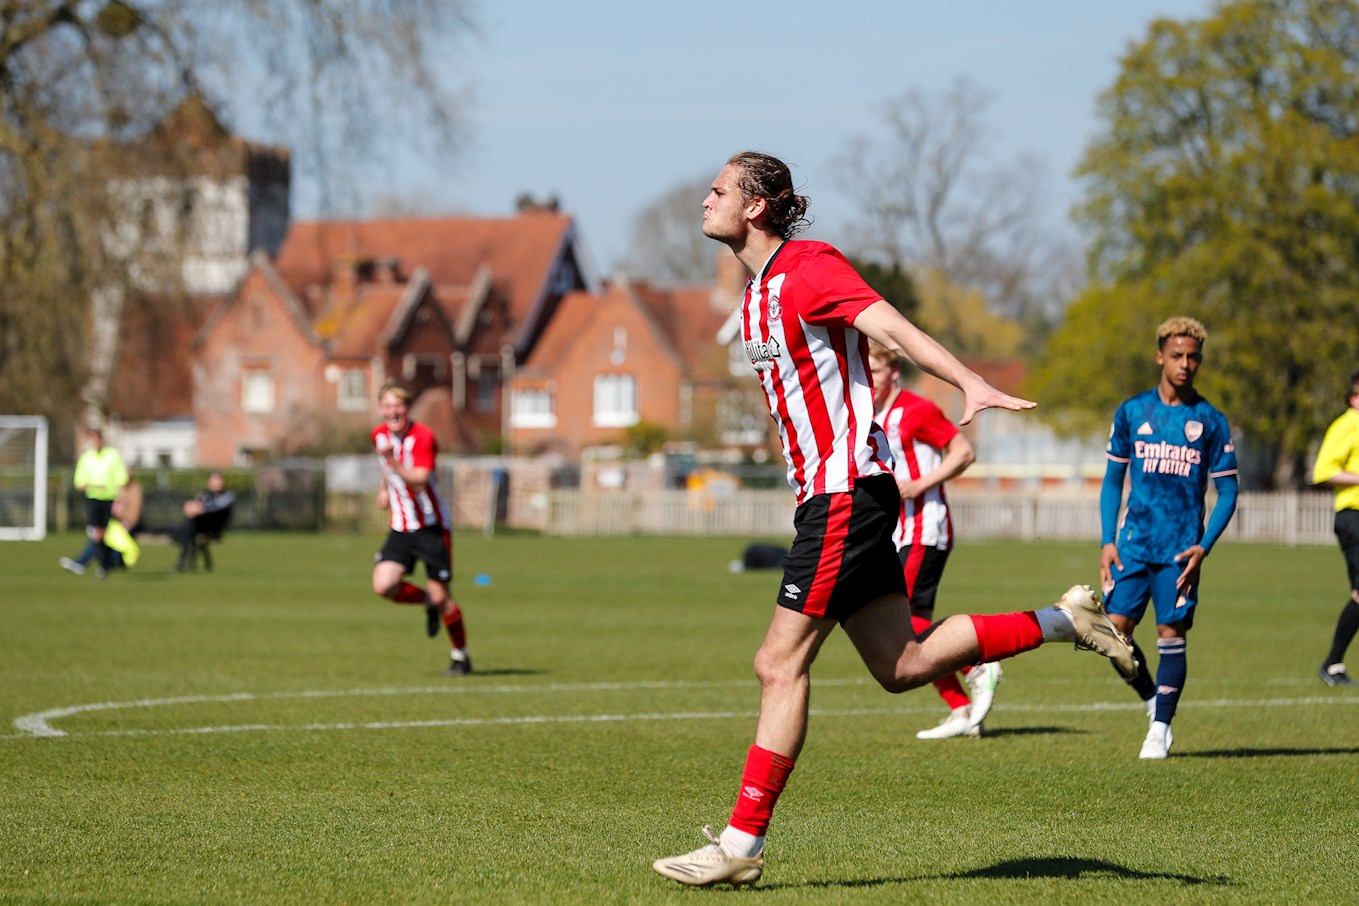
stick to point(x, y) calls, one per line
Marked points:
point(959, 317)
point(1224, 185)
point(82, 81)
point(892, 281)
point(645, 438)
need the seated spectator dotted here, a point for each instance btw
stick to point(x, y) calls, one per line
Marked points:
point(205, 515)
point(127, 509)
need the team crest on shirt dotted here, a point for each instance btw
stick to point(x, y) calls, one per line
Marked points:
point(1193, 431)
point(775, 308)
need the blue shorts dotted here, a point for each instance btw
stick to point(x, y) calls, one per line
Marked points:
point(1140, 582)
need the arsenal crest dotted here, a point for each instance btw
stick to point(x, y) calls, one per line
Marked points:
point(1193, 431)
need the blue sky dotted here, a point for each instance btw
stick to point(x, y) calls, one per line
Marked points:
point(608, 105)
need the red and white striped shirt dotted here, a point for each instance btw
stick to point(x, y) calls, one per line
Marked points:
point(417, 449)
point(797, 323)
point(918, 432)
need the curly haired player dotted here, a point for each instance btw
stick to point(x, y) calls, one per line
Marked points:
point(806, 319)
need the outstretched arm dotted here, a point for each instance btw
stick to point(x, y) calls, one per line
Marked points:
point(1192, 556)
point(881, 322)
point(1110, 498)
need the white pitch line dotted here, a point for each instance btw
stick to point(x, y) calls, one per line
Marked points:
point(38, 725)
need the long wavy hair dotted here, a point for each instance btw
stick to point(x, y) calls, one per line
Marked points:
point(767, 177)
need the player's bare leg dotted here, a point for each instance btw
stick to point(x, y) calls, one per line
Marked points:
point(389, 581)
point(783, 665)
point(882, 634)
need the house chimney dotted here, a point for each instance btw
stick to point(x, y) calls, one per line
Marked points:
point(386, 270)
point(527, 204)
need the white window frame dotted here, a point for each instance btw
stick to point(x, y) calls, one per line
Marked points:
point(351, 391)
point(615, 401)
point(533, 408)
point(258, 394)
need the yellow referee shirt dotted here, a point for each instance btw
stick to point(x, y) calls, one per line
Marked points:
point(1340, 453)
point(101, 473)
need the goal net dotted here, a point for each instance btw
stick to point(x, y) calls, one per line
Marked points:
point(23, 477)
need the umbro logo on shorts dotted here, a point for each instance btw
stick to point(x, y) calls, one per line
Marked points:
point(792, 590)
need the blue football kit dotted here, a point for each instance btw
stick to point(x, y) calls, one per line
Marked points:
point(1170, 453)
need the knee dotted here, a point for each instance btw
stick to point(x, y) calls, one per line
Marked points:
point(383, 587)
point(910, 672)
point(902, 682)
point(774, 670)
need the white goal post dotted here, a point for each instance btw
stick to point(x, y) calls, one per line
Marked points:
point(23, 477)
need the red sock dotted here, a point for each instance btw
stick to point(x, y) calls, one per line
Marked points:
point(763, 779)
point(457, 634)
point(951, 691)
point(1002, 635)
point(407, 593)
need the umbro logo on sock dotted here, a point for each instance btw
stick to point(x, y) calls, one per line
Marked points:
point(752, 792)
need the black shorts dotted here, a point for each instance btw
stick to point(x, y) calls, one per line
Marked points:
point(1347, 532)
point(843, 557)
point(98, 512)
point(922, 567)
point(430, 546)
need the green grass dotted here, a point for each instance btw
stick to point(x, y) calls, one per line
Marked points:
point(273, 733)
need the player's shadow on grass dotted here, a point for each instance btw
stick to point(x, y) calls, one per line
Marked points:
point(508, 671)
point(1029, 731)
point(1057, 867)
point(1267, 753)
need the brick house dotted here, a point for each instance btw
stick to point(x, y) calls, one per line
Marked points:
point(197, 200)
point(449, 306)
point(633, 354)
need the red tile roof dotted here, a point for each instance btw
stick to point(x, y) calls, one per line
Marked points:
point(519, 251)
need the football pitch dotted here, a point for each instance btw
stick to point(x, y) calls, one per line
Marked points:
point(272, 732)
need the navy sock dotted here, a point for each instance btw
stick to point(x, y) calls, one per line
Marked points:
point(1141, 683)
point(1344, 633)
point(1171, 670)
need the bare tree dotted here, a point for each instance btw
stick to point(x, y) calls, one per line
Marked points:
point(931, 198)
point(83, 87)
point(668, 246)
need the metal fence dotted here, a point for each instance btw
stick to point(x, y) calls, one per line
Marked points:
point(493, 493)
point(1272, 518)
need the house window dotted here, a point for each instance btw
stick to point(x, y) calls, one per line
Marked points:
point(564, 278)
point(615, 401)
point(532, 409)
point(488, 385)
point(352, 393)
point(257, 390)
